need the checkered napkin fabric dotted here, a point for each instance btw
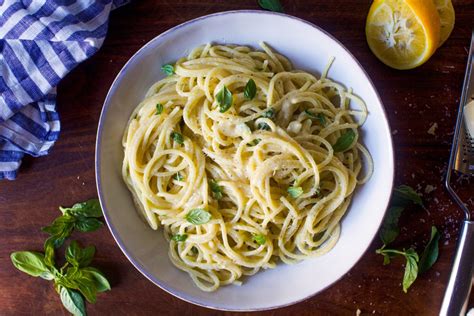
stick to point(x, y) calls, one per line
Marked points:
point(40, 42)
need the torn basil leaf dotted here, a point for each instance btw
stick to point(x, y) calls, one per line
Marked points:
point(430, 254)
point(295, 192)
point(260, 239)
point(216, 189)
point(159, 109)
point(179, 238)
point(344, 141)
point(177, 137)
point(168, 69)
point(224, 99)
point(198, 216)
point(250, 90)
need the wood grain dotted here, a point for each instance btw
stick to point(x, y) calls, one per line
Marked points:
point(414, 100)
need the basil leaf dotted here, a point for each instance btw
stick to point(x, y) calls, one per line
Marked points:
point(430, 254)
point(404, 195)
point(87, 288)
point(411, 269)
point(179, 238)
point(271, 5)
point(159, 109)
point(177, 137)
point(216, 190)
point(295, 191)
point(72, 301)
point(57, 239)
point(260, 239)
point(86, 257)
point(250, 90)
point(178, 177)
point(344, 141)
point(73, 273)
point(84, 282)
point(79, 257)
point(62, 280)
point(73, 251)
point(31, 263)
point(60, 229)
point(89, 208)
point(168, 69)
point(101, 282)
point(224, 99)
point(270, 113)
point(85, 224)
point(198, 216)
point(264, 126)
point(59, 225)
point(49, 246)
point(389, 230)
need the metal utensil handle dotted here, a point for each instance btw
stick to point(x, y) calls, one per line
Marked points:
point(460, 281)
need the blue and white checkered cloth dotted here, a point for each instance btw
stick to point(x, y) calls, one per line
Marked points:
point(40, 42)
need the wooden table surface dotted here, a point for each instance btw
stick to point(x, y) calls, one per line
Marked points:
point(414, 100)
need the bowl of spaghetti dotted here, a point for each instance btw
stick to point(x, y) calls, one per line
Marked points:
point(244, 160)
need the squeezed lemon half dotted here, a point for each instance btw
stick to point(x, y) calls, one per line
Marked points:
point(403, 34)
point(446, 18)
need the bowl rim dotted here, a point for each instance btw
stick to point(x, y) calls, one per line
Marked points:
point(134, 58)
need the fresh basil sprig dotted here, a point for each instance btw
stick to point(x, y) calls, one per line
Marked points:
point(271, 5)
point(78, 281)
point(198, 216)
point(344, 141)
point(75, 280)
point(168, 69)
point(411, 267)
point(250, 90)
point(402, 197)
point(224, 99)
point(81, 216)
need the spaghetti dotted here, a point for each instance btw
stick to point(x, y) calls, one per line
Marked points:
point(244, 161)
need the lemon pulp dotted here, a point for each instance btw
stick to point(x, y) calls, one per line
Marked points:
point(403, 34)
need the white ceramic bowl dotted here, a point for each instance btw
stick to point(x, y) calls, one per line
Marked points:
point(309, 48)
